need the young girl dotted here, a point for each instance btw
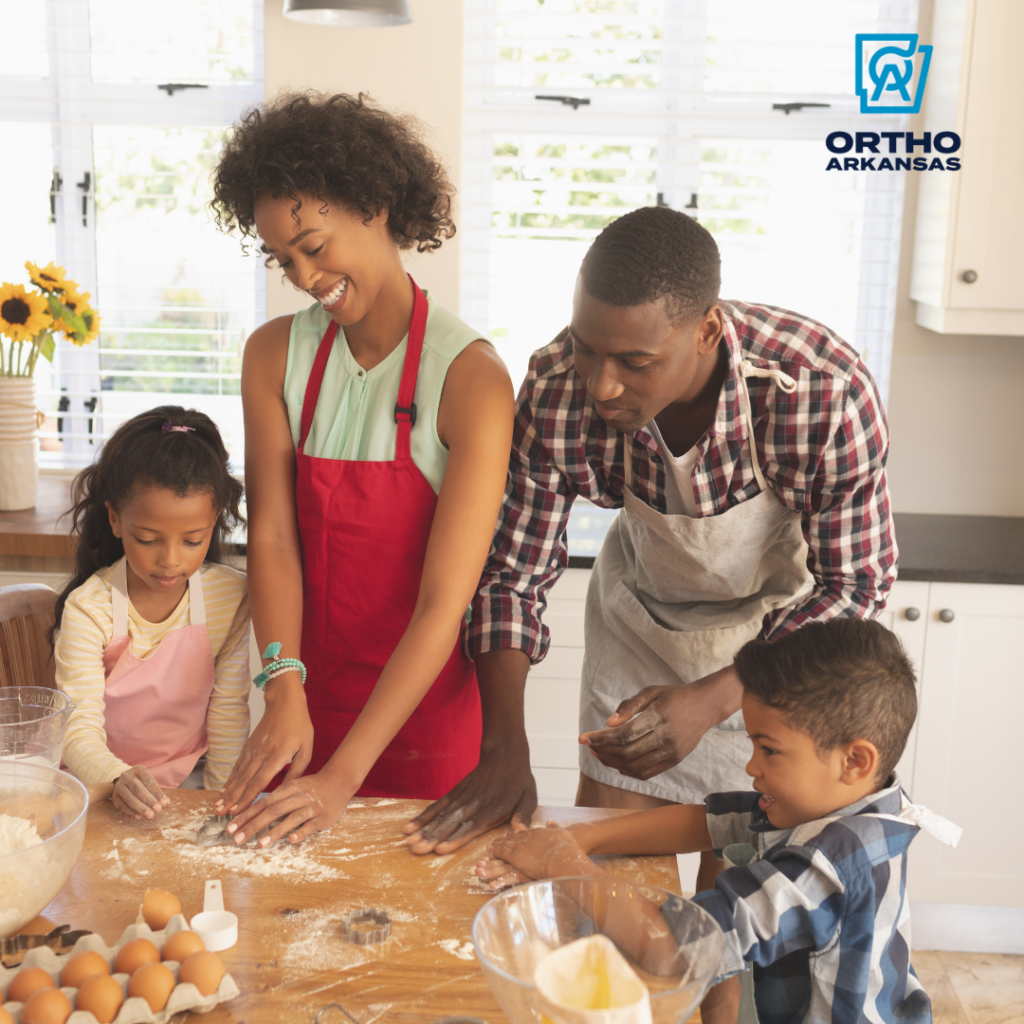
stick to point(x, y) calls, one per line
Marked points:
point(152, 632)
point(378, 427)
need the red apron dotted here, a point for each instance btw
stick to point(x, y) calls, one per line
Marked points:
point(364, 529)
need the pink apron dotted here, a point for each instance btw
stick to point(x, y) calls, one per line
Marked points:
point(156, 707)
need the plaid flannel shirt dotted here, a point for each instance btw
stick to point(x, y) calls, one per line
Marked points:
point(822, 914)
point(822, 450)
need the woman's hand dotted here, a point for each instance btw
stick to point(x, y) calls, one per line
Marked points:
point(283, 737)
point(305, 805)
point(138, 794)
point(541, 852)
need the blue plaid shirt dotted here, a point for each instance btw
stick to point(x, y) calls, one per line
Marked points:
point(822, 913)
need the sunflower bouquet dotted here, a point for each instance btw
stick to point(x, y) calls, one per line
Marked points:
point(31, 318)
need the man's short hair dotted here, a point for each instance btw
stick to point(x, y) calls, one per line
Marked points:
point(837, 681)
point(655, 253)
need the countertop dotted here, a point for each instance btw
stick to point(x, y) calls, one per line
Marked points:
point(290, 959)
point(936, 548)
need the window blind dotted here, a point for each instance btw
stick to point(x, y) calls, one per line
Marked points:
point(117, 112)
point(577, 111)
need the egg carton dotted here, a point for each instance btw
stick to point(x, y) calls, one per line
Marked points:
point(134, 1010)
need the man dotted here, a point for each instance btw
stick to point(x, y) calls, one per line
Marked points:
point(747, 448)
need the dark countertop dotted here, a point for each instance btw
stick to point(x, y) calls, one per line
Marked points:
point(945, 549)
point(933, 548)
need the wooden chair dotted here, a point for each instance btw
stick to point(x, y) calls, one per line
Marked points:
point(26, 613)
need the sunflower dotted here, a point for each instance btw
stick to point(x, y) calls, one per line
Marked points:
point(92, 322)
point(50, 279)
point(76, 302)
point(22, 314)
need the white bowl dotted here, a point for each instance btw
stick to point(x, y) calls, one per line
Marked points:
point(30, 878)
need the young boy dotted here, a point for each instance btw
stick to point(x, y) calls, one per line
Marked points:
point(821, 912)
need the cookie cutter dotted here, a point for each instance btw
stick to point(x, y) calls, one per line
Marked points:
point(366, 936)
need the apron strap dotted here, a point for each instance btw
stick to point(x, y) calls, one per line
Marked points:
point(196, 599)
point(784, 381)
point(627, 461)
point(119, 597)
point(405, 407)
point(316, 378)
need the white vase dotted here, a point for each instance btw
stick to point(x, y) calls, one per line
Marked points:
point(19, 444)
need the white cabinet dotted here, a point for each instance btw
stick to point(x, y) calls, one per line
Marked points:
point(968, 766)
point(968, 275)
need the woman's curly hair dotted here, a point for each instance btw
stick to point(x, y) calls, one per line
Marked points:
point(339, 149)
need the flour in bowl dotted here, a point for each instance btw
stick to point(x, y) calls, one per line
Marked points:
point(16, 834)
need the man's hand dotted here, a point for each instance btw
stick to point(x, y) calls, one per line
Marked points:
point(499, 788)
point(306, 805)
point(655, 729)
point(536, 853)
point(283, 737)
point(138, 794)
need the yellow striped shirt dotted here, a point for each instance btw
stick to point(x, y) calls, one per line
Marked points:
point(87, 626)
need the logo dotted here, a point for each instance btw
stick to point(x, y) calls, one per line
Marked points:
point(886, 63)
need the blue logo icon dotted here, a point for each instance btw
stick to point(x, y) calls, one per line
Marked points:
point(886, 66)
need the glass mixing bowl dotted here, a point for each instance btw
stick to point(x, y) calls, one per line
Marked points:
point(55, 803)
point(517, 929)
point(32, 723)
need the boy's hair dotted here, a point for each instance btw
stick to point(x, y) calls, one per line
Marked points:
point(655, 253)
point(142, 454)
point(837, 681)
point(337, 149)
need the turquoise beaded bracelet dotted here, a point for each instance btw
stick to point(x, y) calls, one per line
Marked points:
point(278, 666)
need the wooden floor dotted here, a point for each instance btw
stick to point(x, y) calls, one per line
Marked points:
point(973, 988)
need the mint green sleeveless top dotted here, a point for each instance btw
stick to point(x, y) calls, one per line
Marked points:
point(355, 416)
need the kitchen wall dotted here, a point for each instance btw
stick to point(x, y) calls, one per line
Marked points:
point(410, 69)
point(956, 403)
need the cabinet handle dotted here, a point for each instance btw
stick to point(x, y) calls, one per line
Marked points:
point(912, 614)
point(969, 276)
point(946, 615)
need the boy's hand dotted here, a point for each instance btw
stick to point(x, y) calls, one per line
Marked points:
point(541, 852)
point(138, 794)
point(499, 874)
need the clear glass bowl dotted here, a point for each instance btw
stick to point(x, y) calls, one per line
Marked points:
point(32, 723)
point(56, 802)
point(673, 945)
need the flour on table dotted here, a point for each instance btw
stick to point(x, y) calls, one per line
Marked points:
point(463, 951)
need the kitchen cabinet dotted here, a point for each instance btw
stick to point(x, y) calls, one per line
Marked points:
point(968, 273)
point(968, 766)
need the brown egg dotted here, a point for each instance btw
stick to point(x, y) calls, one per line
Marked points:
point(47, 1006)
point(204, 970)
point(5, 1017)
point(81, 967)
point(154, 983)
point(181, 945)
point(132, 955)
point(101, 996)
point(159, 907)
point(27, 981)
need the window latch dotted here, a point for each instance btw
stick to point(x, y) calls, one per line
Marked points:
point(55, 183)
point(85, 185)
point(787, 108)
point(568, 101)
point(691, 205)
point(172, 87)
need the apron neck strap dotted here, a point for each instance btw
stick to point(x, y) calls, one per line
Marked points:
point(627, 460)
point(405, 407)
point(316, 378)
point(119, 598)
point(784, 381)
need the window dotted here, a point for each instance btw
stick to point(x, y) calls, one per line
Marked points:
point(577, 111)
point(116, 112)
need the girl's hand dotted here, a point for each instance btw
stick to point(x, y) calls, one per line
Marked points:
point(308, 804)
point(499, 874)
point(283, 737)
point(542, 852)
point(138, 794)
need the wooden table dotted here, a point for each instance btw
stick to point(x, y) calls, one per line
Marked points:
point(290, 959)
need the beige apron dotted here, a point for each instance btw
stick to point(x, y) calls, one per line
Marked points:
point(672, 599)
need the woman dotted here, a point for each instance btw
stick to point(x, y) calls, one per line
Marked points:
point(378, 427)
